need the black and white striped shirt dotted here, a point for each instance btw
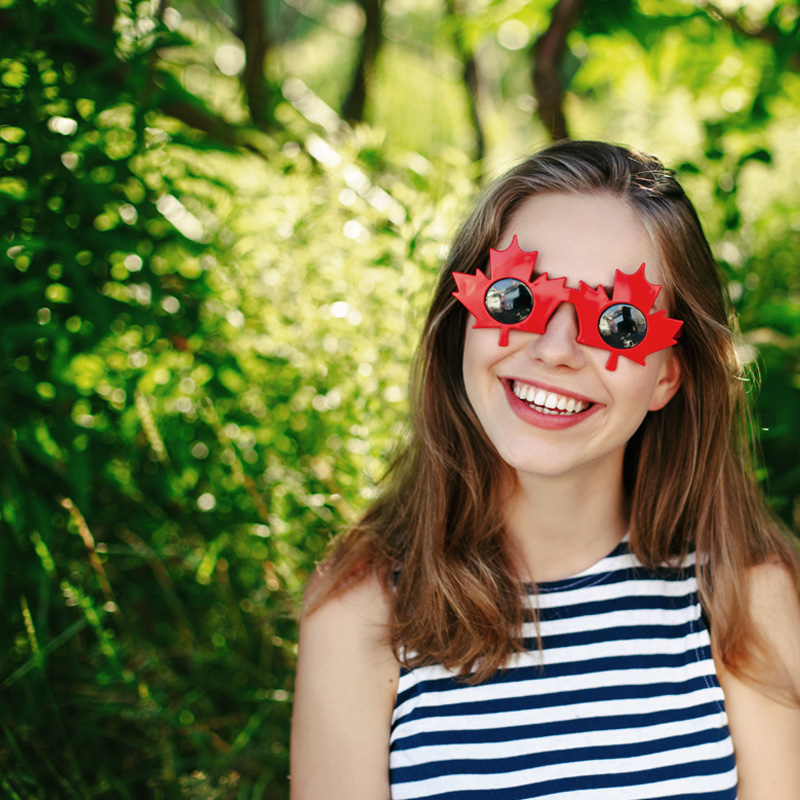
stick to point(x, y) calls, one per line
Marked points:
point(622, 703)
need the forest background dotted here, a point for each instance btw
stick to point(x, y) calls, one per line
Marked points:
point(220, 222)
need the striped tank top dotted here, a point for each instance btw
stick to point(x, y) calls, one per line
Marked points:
point(624, 703)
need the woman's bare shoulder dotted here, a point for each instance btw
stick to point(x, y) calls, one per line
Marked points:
point(362, 601)
point(775, 609)
point(765, 720)
point(345, 690)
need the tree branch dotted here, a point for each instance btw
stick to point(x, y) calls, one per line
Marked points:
point(548, 53)
point(254, 36)
point(470, 77)
point(371, 41)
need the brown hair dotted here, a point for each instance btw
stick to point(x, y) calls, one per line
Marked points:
point(438, 526)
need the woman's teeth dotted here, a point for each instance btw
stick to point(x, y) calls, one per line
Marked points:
point(548, 402)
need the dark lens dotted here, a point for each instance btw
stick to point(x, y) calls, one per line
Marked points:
point(622, 326)
point(509, 301)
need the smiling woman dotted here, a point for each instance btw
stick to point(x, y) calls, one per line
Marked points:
point(583, 238)
point(570, 586)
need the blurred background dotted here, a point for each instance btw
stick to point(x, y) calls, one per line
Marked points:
point(220, 223)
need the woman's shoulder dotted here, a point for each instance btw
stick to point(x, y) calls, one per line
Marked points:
point(356, 608)
point(344, 694)
point(774, 602)
point(771, 600)
point(764, 715)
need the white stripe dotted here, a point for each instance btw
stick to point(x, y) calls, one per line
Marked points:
point(464, 694)
point(644, 587)
point(675, 788)
point(614, 649)
point(613, 619)
point(474, 782)
point(487, 751)
point(671, 788)
point(539, 716)
point(566, 655)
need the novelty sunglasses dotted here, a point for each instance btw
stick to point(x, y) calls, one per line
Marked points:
point(508, 300)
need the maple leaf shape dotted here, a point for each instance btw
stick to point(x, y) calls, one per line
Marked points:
point(517, 264)
point(635, 290)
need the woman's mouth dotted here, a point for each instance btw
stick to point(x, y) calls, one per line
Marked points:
point(548, 402)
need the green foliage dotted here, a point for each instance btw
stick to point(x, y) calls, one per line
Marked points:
point(207, 331)
point(200, 383)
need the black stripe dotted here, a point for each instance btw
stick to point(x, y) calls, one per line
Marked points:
point(613, 781)
point(599, 752)
point(556, 728)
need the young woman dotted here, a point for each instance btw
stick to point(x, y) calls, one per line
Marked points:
point(570, 587)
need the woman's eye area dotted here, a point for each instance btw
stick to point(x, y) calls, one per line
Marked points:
point(508, 301)
point(622, 326)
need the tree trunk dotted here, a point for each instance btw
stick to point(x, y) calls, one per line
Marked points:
point(470, 77)
point(548, 53)
point(371, 41)
point(254, 35)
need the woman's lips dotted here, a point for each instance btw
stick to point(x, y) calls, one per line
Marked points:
point(548, 402)
point(545, 408)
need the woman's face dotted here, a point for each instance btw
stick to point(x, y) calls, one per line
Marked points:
point(549, 404)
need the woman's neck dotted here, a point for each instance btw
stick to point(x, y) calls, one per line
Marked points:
point(560, 526)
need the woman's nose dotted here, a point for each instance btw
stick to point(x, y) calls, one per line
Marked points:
point(558, 345)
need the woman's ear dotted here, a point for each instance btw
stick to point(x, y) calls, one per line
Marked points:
point(669, 381)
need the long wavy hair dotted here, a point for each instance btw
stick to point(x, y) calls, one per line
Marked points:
point(436, 532)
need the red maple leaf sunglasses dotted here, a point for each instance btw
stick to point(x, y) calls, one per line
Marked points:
point(508, 300)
